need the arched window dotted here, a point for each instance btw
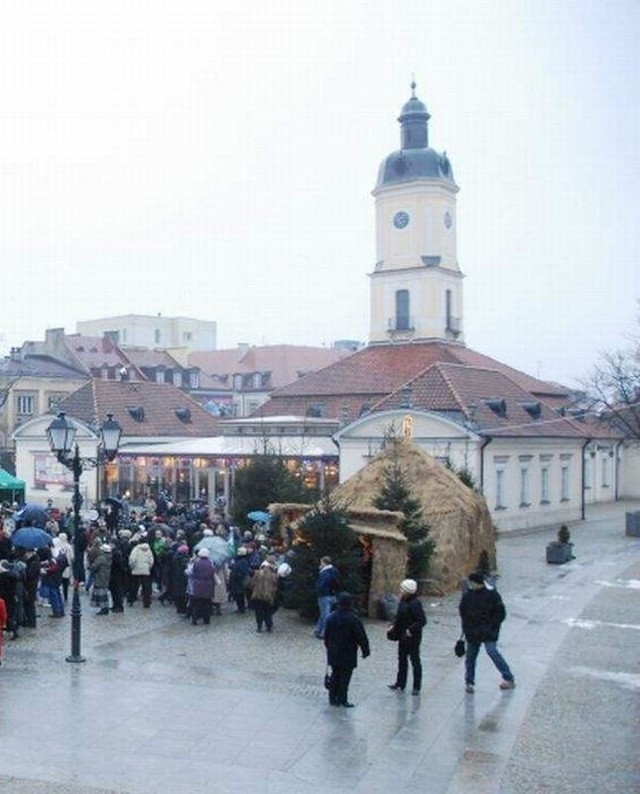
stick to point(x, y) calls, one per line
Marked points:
point(402, 310)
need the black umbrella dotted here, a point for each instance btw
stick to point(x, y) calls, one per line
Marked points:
point(114, 502)
point(31, 538)
point(32, 515)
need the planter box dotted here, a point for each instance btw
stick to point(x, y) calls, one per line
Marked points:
point(559, 553)
point(632, 526)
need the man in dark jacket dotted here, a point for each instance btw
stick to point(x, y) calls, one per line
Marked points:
point(482, 613)
point(407, 630)
point(343, 635)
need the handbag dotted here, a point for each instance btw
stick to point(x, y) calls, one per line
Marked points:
point(460, 648)
point(393, 633)
point(328, 678)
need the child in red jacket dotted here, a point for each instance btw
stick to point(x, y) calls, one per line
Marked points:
point(3, 623)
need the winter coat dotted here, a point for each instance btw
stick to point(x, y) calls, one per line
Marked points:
point(328, 582)
point(409, 621)
point(178, 576)
point(239, 576)
point(264, 585)
point(203, 578)
point(482, 613)
point(101, 566)
point(141, 560)
point(343, 635)
point(221, 595)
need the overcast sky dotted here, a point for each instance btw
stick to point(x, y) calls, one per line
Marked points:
point(216, 160)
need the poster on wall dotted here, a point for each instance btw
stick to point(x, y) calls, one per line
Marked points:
point(49, 471)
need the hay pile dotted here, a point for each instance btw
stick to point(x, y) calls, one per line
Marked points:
point(460, 521)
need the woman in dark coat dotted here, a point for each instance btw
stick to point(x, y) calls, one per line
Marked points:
point(203, 584)
point(178, 579)
point(407, 630)
point(343, 635)
point(239, 577)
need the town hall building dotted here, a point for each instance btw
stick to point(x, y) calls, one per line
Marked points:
point(536, 459)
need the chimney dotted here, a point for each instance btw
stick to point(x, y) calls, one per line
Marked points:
point(16, 354)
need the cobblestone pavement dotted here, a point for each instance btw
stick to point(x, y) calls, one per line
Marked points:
point(161, 706)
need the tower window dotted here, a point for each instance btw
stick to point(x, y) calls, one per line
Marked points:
point(402, 310)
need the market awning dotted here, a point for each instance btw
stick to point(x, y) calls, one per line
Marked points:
point(10, 483)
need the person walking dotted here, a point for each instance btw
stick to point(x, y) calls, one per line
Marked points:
point(343, 635)
point(264, 586)
point(407, 630)
point(239, 578)
point(327, 585)
point(483, 612)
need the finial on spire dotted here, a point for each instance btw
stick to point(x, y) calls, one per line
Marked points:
point(413, 85)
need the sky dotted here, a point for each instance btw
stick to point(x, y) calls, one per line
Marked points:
point(216, 160)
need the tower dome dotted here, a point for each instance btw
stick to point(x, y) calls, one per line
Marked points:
point(416, 159)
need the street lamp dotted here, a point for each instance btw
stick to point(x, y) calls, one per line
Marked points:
point(62, 434)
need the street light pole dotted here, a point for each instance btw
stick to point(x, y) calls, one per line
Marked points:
point(61, 434)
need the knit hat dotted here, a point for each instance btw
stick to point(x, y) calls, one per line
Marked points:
point(183, 549)
point(409, 586)
point(242, 551)
point(203, 553)
point(345, 599)
point(63, 537)
point(284, 569)
point(207, 532)
point(105, 547)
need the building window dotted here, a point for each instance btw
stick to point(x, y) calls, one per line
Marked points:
point(123, 335)
point(500, 489)
point(177, 379)
point(525, 500)
point(156, 336)
point(588, 471)
point(53, 401)
point(606, 472)
point(402, 310)
point(257, 380)
point(187, 336)
point(159, 376)
point(237, 382)
point(564, 484)
point(544, 485)
point(193, 380)
point(25, 404)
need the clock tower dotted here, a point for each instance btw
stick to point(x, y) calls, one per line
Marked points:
point(416, 287)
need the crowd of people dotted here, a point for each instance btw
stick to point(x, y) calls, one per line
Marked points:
point(122, 556)
point(198, 563)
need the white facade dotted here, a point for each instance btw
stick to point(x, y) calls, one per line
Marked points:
point(527, 482)
point(139, 330)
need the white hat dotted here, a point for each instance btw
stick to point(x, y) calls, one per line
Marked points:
point(105, 547)
point(207, 532)
point(409, 586)
point(284, 569)
point(203, 552)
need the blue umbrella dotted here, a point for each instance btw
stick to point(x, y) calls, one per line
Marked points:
point(32, 515)
point(259, 515)
point(31, 538)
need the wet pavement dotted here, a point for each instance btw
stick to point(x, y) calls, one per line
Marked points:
point(161, 706)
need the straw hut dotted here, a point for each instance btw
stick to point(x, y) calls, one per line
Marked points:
point(460, 521)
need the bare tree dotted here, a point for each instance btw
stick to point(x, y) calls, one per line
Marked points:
point(614, 387)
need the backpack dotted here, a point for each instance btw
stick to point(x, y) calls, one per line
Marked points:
point(62, 562)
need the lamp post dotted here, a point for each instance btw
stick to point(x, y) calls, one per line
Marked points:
point(61, 434)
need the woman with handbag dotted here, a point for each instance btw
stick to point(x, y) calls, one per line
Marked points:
point(406, 630)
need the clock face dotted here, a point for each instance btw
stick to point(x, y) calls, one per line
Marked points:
point(448, 220)
point(401, 219)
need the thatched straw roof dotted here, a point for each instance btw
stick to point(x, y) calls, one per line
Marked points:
point(460, 521)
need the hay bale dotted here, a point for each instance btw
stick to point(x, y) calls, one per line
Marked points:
point(460, 521)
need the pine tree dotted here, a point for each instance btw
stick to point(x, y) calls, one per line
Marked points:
point(265, 480)
point(395, 494)
point(324, 532)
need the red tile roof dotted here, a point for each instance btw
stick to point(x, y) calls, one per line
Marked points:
point(471, 391)
point(159, 402)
